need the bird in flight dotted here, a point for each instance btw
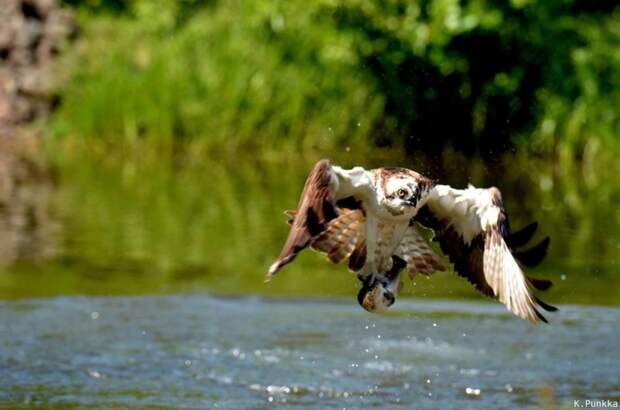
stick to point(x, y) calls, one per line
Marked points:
point(372, 217)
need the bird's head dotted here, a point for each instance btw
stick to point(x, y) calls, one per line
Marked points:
point(403, 191)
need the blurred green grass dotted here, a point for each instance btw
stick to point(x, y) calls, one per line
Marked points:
point(478, 76)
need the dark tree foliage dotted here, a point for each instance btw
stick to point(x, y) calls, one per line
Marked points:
point(491, 92)
point(100, 6)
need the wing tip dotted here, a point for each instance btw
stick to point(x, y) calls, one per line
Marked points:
point(546, 306)
point(540, 317)
point(534, 315)
point(540, 284)
point(522, 236)
point(535, 255)
point(276, 266)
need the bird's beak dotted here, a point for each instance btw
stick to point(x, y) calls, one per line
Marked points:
point(412, 201)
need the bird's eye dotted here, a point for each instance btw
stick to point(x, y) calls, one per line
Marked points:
point(401, 193)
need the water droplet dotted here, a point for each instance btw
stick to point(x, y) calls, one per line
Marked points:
point(278, 389)
point(271, 359)
point(472, 392)
point(94, 374)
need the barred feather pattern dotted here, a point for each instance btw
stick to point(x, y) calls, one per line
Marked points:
point(342, 235)
point(503, 274)
point(419, 256)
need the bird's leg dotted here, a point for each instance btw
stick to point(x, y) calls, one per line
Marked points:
point(397, 236)
point(371, 244)
point(393, 282)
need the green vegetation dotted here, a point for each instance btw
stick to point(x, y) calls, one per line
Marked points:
point(479, 76)
point(243, 85)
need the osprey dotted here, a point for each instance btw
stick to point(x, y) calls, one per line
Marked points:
point(372, 218)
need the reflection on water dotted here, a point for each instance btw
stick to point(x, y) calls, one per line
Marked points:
point(27, 230)
point(192, 351)
point(215, 222)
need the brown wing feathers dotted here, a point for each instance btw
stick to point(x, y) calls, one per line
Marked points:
point(316, 207)
point(469, 259)
point(342, 235)
point(328, 226)
point(418, 254)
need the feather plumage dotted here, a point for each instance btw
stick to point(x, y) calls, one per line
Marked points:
point(371, 217)
point(478, 249)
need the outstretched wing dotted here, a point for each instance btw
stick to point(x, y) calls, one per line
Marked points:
point(419, 256)
point(471, 226)
point(326, 187)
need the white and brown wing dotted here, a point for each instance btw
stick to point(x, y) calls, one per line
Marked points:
point(471, 226)
point(327, 192)
point(419, 256)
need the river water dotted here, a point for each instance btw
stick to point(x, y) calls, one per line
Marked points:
point(200, 351)
point(147, 291)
